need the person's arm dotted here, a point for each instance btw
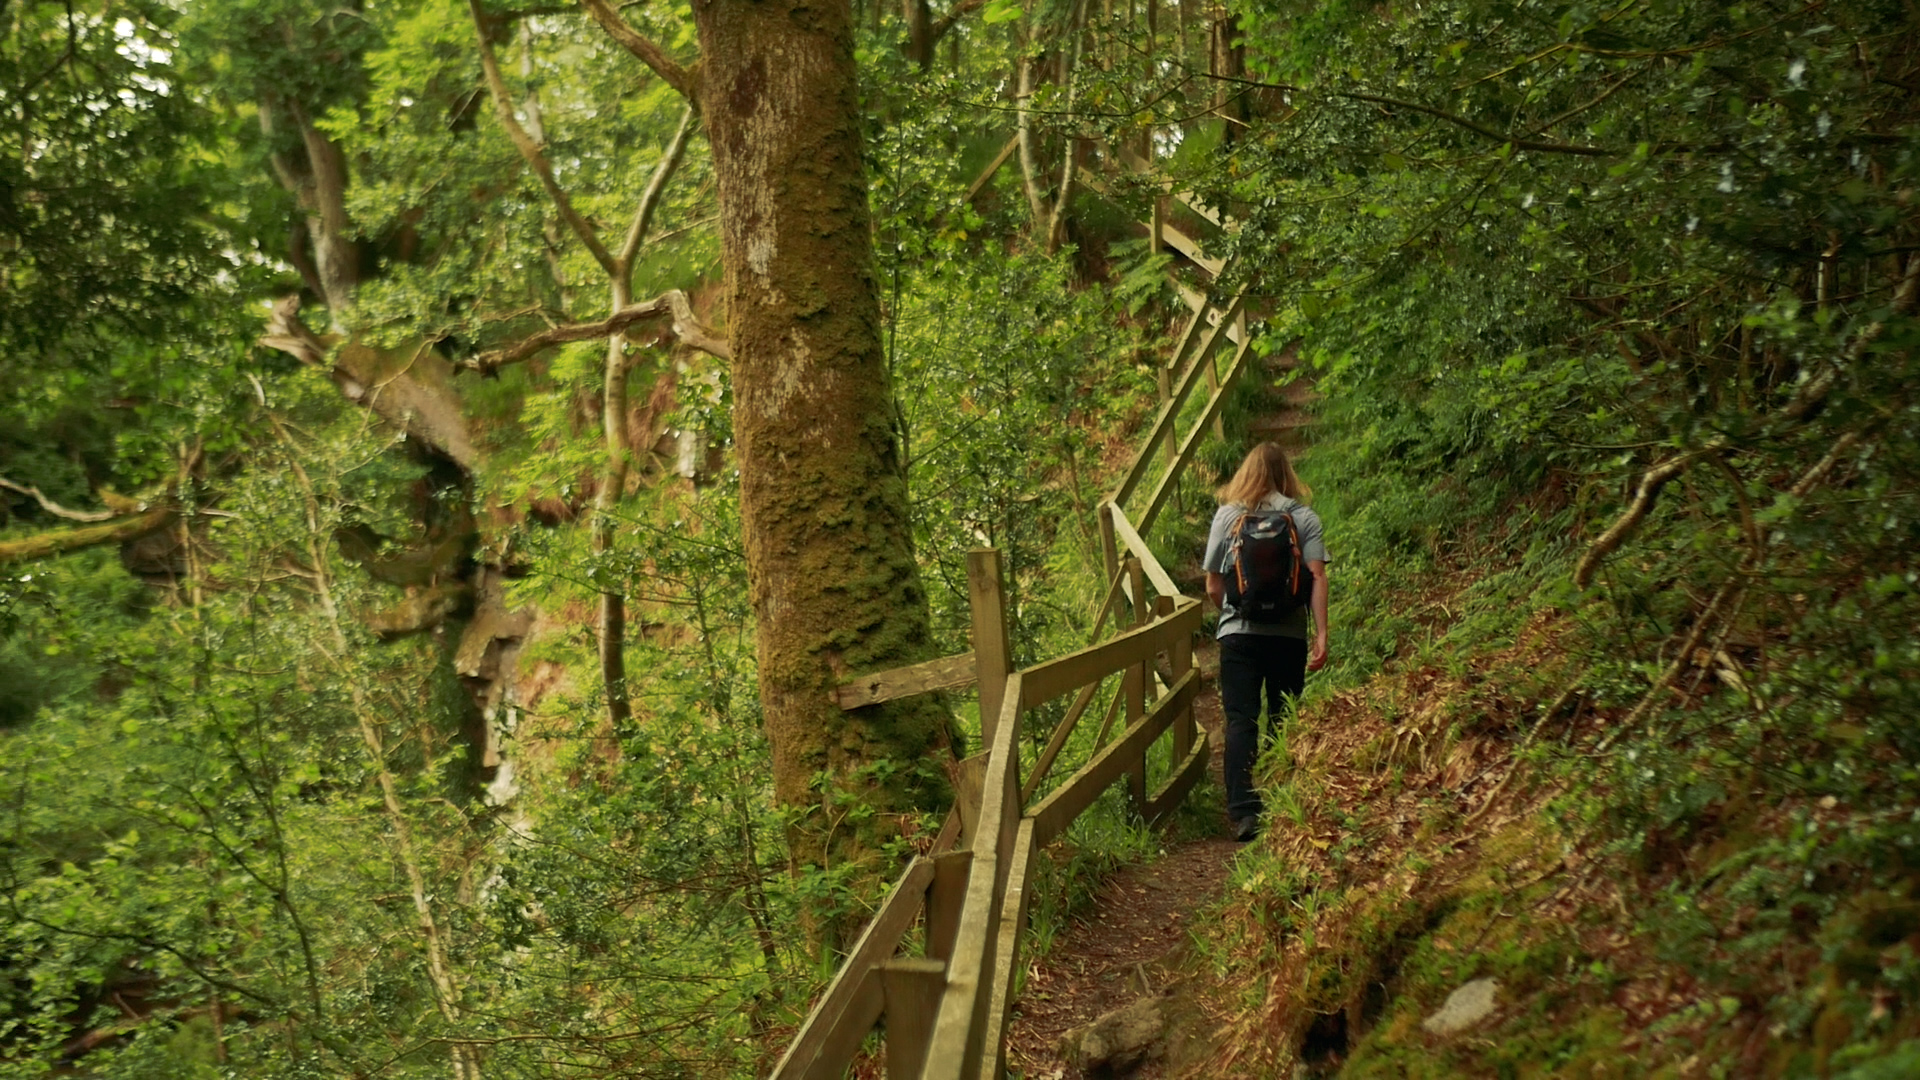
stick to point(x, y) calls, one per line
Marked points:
point(1317, 657)
point(1217, 589)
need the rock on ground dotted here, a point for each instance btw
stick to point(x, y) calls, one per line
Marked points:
point(1464, 1008)
point(1118, 1042)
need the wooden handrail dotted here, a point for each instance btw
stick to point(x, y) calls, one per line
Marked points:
point(957, 1042)
point(1170, 408)
point(1061, 733)
point(1188, 246)
point(1048, 680)
point(852, 1001)
point(947, 1011)
point(1157, 574)
point(1055, 812)
point(947, 673)
point(1192, 442)
point(1197, 301)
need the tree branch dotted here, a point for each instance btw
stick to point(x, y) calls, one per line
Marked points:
point(684, 79)
point(1815, 390)
point(1651, 482)
point(1030, 166)
point(951, 19)
point(686, 327)
point(1810, 395)
point(61, 541)
point(55, 508)
point(1461, 121)
point(529, 149)
point(286, 333)
point(656, 187)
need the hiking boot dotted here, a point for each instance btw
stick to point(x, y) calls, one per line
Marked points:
point(1246, 829)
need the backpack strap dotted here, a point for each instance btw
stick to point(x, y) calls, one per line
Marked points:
point(1239, 571)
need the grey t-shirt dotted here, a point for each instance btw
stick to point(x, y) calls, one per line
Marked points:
point(1218, 560)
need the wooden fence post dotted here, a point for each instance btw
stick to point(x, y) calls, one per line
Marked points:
point(944, 898)
point(1180, 661)
point(968, 775)
point(1137, 678)
point(1109, 546)
point(992, 658)
point(912, 988)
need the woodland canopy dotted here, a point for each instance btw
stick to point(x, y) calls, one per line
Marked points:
point(452, 448)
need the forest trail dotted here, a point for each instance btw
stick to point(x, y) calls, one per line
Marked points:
point(1135, 940)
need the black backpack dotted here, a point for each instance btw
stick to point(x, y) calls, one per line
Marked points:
point(1267, 577)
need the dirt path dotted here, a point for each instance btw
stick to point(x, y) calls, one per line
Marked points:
point(1133, 942)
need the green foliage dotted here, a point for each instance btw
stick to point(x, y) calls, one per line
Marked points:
point(1541, 248)
point(1532, 248)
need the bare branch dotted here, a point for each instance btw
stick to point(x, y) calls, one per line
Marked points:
point(686, 327)
point(1803, 403)
point(656, 187)
point(55, 508)
point(529, 149)
point(1650, 484)
point(684, 79)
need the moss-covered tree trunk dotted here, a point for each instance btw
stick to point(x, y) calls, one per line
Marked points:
point(834, 586)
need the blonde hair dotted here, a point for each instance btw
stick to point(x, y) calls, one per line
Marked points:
point(1264, 471)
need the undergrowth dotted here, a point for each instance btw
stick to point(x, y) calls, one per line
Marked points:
point(1722, 882)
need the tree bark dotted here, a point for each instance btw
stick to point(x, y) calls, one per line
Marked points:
point(833, 581)
point(317, 179)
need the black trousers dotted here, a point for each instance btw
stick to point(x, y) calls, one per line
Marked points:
point(1249, 663)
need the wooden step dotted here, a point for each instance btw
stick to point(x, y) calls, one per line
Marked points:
point(1300, 392)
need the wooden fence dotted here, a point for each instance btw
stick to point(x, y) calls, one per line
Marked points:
point(945, 1009)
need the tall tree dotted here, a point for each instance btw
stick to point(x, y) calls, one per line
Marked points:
point(834, 584)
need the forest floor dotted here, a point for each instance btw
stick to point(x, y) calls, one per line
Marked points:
point(1133, 942)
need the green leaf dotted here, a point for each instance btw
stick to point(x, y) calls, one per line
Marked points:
point(1000, 11)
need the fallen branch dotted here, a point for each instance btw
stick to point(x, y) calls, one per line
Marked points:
point(685, 327)
point(1681, 662)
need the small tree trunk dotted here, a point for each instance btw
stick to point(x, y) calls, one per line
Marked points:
point(613, 484)
point(1032, 171)
point(440, 973)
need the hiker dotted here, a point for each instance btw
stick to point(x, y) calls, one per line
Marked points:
point(1263, 641)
